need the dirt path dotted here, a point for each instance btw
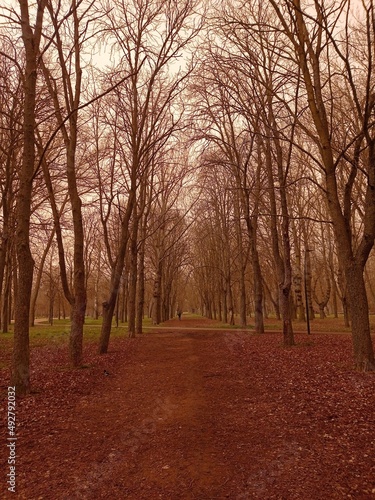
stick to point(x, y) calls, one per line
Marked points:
point(165, 449)
point(150, 428)
point(206, 415)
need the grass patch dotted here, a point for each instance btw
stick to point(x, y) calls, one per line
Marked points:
point(42, 333)
point(58, 333)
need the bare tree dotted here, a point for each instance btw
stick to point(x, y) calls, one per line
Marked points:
point(150, 37)
point(31, 36)
point(328, 61)
point(64, 83)
point(11, 108)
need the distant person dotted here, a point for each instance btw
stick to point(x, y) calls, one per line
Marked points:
point(179, 314)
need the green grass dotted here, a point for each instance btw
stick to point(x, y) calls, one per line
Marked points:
point(59, 332)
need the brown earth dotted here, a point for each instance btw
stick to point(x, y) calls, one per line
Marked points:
point(193, 413)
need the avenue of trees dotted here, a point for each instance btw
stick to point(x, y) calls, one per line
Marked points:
point(212, 156)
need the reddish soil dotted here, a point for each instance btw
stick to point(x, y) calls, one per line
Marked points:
point(194, 413)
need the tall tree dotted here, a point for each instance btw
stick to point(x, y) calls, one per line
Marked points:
point(11, 110)
point(327, 63)
point(31, 36)
point(150, 36)
point(71, 29)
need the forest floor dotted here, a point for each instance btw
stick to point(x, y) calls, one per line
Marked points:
point(189, 412)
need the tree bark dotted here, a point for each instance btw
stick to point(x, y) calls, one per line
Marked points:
point(361, 335)
point(109, 305)
point(281, 258)
point(141, 287)
point(133, 276)
point(156, 296)
point(257, 271)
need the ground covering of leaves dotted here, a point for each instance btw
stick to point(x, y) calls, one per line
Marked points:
point(193, 413)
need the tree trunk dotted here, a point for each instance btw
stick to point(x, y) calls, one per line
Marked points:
point(156, 307)
point(358, 303)
point(141, 288)
point(300, 310)
point(258, 293)
point(117, 312)
point(109, 305)
point(297, 282)
point(21, 350)
point(230, 302)
point(108, 310)
point(257, 271)
point(96, 297)
point(4, 250)
point(308, 284)
point(281, 258)
point(242, 266)
point(288, 336)
point(80, 296)
point(243, 320)
point(334, 292)
point(257, 274)
point(76, 329)
point(225, 304)
point(133, 275)
point(124, 294)
point(5, 316)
